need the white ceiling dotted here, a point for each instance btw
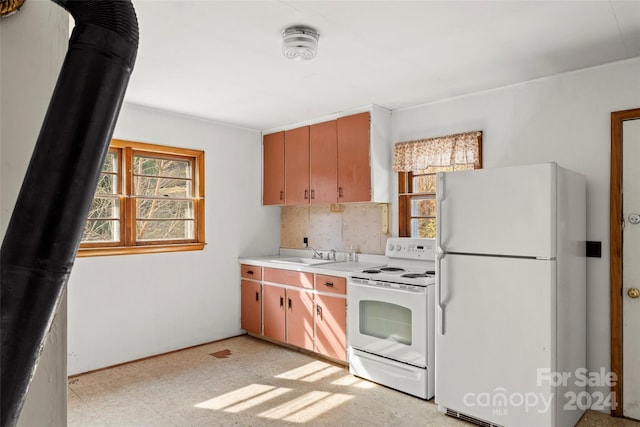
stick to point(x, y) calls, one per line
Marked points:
point(222, 60)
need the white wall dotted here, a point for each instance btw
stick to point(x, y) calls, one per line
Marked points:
point(33, 43)
point(128, 307)
point(565, 119)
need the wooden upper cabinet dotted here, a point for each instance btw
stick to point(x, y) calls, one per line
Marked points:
point(337, 161)
point(296, 166)
point(354, 171)
point(273, 169)
point(323, 163)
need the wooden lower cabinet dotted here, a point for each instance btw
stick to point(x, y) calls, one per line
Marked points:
point(273, 312)
point(298, 308)
point(331, 326)
point(300, 318)
point(250, 306)
point(288, 315)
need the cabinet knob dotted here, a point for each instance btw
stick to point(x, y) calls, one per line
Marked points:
point(319, 311)
point(249, 271)
point(257, 296)
point(633, 293)
point(282, 195)
point(329, 285)
point(339, 191)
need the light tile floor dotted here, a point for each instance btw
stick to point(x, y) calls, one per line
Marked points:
point(250, 383)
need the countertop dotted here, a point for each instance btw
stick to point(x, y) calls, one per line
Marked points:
point(338, 268)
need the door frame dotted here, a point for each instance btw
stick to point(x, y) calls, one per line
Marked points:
point(615, 236)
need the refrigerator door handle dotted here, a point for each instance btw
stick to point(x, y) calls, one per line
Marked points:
point(439, 213)
point(439, 257)
point(440, 179)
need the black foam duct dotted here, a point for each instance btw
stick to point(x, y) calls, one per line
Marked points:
point(44, 232)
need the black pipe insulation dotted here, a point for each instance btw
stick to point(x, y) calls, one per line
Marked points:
point(44, 232)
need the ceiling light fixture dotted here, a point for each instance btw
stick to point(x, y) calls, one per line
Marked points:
point(300, 42)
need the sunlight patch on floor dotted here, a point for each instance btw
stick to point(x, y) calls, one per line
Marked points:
point(306, 407)
point(244, 398)
point(303, 406)
point(310, 370)
point(352, 381)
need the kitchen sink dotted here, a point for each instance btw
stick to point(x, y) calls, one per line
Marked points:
point(302, 261)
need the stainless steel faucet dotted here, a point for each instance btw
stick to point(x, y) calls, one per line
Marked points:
point(316, 254)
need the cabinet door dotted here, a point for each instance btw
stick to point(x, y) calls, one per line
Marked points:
point(250, 306)
point(354, 171)
point(300, 318)
point(273, 306)
point(323, 163)
point(273, 169)
point(296, 166)
point(331, 326)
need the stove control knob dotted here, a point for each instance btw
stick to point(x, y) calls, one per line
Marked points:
point(398, 248)
point(390, 247)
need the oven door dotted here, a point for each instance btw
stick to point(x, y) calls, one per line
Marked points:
point(388, 321)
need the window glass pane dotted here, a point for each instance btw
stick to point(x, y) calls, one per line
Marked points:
point(164, 209)
point(424, 184)
point(164, 230)
point(423, 207)
point(104, 208)
point(110, 162)
point(101, 230)
point(385, 320)
point(157, 166)
point(161, 187)
point(107, 184)
point(423, 228)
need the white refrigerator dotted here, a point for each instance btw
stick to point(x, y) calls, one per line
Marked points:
point(510, 295)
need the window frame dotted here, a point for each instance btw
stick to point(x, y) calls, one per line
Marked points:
point(406, 195)
point(127, 243)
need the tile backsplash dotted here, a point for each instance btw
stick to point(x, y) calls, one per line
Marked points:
point(338, 227)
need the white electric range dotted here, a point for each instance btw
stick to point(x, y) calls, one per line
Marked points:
point(390, 313)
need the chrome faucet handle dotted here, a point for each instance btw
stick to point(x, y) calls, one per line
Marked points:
point(316, 254)
point(332, 255)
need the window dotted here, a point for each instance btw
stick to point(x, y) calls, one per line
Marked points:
point(417, 163)
point(149, 198)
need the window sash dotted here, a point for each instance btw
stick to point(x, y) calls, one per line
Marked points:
point(419, 184)
point(177, 206)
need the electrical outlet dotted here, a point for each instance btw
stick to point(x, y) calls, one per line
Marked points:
point(305, 241)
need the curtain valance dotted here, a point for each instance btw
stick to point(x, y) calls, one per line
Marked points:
point(457, 149)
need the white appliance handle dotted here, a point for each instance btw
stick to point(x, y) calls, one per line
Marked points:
point(439, 257)
point(440, 180)
point(440, 217)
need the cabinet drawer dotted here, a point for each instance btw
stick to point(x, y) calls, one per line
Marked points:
point(251, 272)
point(333, 284)
point(289, 277)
